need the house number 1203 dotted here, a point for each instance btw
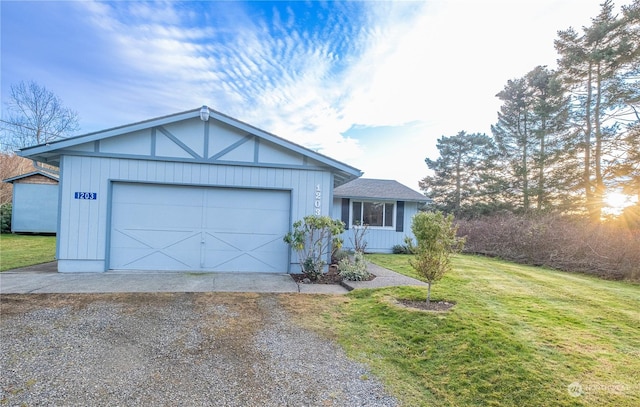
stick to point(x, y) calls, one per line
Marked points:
point(317, 210)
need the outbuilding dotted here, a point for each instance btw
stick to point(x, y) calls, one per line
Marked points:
point(196, 191)
point(34, 202)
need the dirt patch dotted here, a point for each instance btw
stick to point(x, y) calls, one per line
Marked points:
point(440, 306)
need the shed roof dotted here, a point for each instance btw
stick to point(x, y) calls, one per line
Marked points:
point(54, 177)
point(50, 153)
point(367, 188)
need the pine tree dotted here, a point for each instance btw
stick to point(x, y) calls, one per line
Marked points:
point(462, 173)
point(597, 66)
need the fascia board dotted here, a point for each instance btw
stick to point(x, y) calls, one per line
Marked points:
point(87, 138)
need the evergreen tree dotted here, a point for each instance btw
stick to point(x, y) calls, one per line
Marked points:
point(553, 170)
point(515, 140)
point(600, 67)
point(462, 176)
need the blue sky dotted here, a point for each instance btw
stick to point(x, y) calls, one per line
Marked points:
point(371, 83)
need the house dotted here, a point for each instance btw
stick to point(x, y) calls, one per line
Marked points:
point(196, 190)
point(386, 206)
point(34, 202)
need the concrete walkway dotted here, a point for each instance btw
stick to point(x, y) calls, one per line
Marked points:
point(44, 279)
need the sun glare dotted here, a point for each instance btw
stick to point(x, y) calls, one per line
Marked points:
point(616, 202)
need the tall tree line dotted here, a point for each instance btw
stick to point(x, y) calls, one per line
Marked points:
point(563, 136)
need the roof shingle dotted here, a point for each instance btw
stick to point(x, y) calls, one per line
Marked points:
point(385, 189)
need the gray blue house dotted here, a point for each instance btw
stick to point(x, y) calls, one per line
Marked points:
point(196, 190)
point(34, 202)
point(385, 206)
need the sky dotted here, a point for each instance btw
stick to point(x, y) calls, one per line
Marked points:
point(371, 83)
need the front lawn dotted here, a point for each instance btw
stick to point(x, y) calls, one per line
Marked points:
point(518, 336)
point(25, 250)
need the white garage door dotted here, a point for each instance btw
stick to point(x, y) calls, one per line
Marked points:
point(167, 227)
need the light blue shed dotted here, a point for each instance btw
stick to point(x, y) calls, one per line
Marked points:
point(193, 191)
point(385, 206)
point(34, 202)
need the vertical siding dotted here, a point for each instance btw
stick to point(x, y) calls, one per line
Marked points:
point(379, 240)
point(83, 223)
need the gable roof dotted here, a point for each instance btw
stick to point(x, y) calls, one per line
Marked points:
point(384, 189)
point(50, 153)
point(31, 174)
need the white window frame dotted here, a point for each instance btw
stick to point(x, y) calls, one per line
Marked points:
point(362, 202)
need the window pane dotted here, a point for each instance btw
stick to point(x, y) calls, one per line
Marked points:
point(357, 213)
point(388, 214)
point(372, 213)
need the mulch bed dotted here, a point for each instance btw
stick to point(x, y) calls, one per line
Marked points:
point(332, 277)
point(432, 306)
point(323, 279)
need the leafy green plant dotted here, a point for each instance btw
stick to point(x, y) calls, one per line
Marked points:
point(5, 218)
point(356, 270)
point(437, 240)
point(407, 248)
point(337, 255)
point(313, 238)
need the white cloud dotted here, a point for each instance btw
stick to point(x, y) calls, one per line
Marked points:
point(370, 64)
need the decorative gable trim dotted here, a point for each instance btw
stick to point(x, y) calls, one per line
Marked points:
point(147, 132)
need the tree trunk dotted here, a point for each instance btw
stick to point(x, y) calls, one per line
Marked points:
point(458, 182)
point(428, 293)
point(543, 159)
point(597, 158)
point(586, 177)
point(525, 166)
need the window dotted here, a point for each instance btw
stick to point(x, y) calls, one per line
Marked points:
point(373, 213)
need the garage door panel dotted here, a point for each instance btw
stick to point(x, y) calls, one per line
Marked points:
point(243, 263)
point(149, 194)
point(159, 251)
point(159, 261)
point(168, 227)
point(157, 239)
point(173, 216)
point(234, 219)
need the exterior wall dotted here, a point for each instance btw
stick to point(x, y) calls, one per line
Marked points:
point(83, 239)
point(379, 240)
point(35, 207)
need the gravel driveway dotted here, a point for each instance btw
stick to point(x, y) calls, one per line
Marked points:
point(204, 349)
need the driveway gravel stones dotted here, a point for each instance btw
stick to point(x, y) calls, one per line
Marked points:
point(171, 349)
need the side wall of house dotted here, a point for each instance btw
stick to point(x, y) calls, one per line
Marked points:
point(35, 207)
point(379, 240)
point(84, 223)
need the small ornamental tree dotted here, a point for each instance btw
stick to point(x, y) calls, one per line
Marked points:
point(437, 240)
point(313, 238)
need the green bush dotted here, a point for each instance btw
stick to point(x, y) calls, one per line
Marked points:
point(314, 238)
point(356, 271)
point(407, 248)
point(437, 240)
point(338, 255)
point(5, 218)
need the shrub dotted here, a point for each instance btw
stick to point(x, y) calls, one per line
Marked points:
point(5, 218)
point(356, 271)
point(437, 240)
point(608, 249)
point(338, 254)
point(400, 249)
point(313, 238)
point(407, 248)
point(358, 242)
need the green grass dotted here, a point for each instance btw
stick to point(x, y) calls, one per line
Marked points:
point(25, 250)
point(518, 336)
